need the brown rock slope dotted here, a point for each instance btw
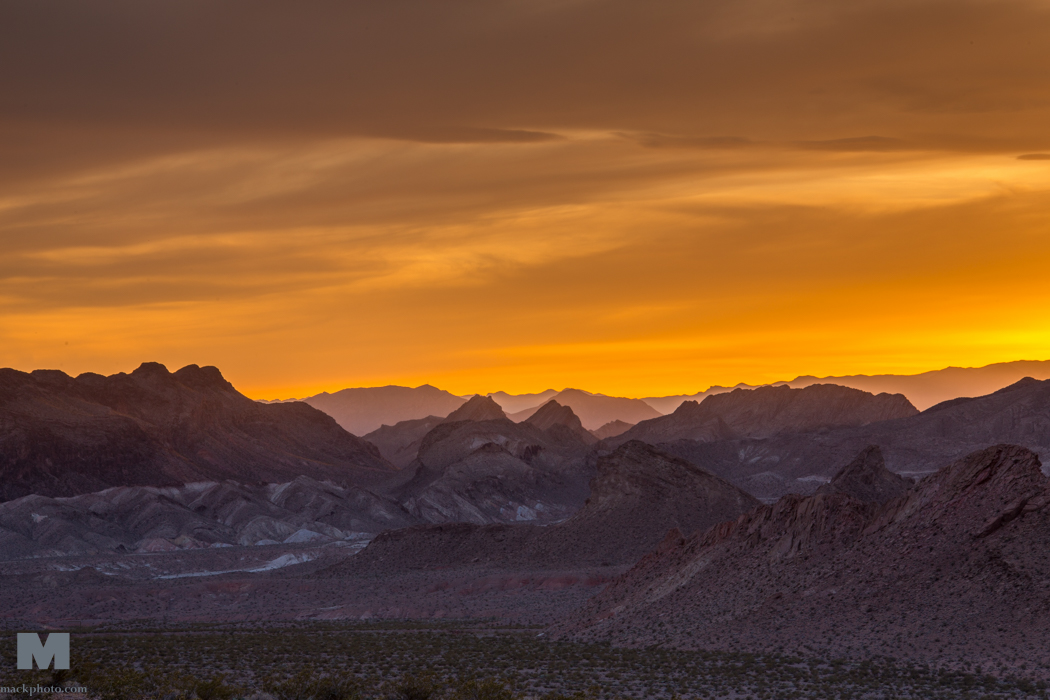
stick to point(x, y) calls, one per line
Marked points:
point(867, 479)
point(953, 571)
point(767, 411)
point(63, 436)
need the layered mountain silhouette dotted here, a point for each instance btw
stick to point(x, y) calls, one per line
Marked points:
point(63, 436)
point(918, 444)
point(513, 403)
point(952, 570)
point(363, 410)
point(768, 411)
point(596, 410)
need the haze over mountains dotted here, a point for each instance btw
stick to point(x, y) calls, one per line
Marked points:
point(365, 410)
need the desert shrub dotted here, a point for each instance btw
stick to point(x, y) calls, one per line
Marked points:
point(483, 690)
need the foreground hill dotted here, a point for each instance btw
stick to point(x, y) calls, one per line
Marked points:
point(768, 411)
point(596, 410)
point(62, 436)
point(917, 445)
point(362, 410)
point(953, 570)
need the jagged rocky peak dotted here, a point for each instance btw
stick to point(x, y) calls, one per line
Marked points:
point(867, 479)
point(553, 413)
point(479, 408)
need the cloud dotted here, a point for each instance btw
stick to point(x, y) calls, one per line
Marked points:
point(410, 191)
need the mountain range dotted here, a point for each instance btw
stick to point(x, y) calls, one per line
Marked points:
point(363, 411)
point(816, 520)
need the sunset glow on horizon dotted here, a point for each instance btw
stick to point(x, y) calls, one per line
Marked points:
point(632, 200)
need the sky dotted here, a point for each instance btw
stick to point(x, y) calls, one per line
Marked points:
point(637, 199)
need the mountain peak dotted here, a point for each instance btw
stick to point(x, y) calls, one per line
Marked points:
point(478, 408)
point(553, 413)
point(208, 377)
point(151, 369)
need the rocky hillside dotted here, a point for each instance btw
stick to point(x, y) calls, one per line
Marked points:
point(768, 411)
point(63, 436)
point(953, 571)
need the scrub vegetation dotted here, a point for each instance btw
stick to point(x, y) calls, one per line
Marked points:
point(466, 661)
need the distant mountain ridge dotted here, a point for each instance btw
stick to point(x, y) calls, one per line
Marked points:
point(363, 410)
point(924, 390)
point(596, 410)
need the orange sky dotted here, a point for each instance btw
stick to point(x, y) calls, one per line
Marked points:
point(632, 198)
